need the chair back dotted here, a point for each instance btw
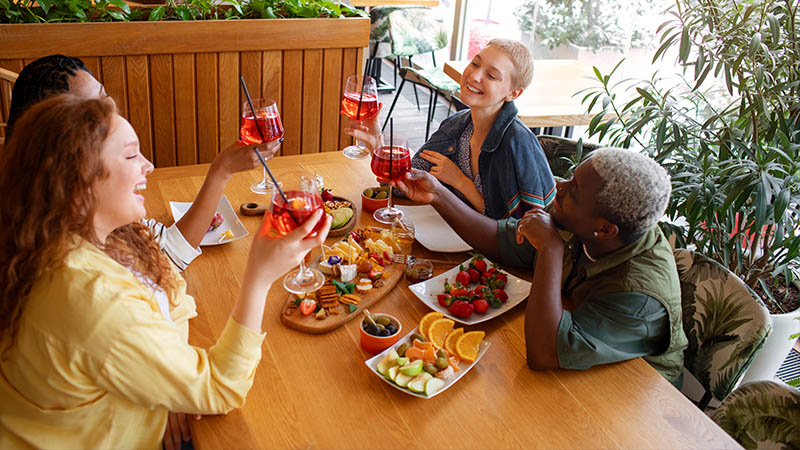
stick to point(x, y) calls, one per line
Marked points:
point(762, 414)
point(416, 30)
point(725, 322)
point(7, 79)
point(560, 151)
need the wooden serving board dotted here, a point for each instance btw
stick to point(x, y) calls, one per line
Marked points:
point(309, 324)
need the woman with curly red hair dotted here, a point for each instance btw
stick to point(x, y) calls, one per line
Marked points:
point(93, 317)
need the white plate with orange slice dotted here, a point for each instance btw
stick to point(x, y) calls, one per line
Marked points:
point(406, 373)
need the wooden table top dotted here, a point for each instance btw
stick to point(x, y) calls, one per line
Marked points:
point(315, 391)
point(548, 101)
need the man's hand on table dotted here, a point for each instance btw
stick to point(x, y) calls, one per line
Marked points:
point(177, 430)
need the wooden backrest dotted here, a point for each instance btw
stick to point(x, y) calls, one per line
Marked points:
point(7, 79)
point(178, 82)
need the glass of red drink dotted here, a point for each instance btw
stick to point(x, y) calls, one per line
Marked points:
point(390, 163)
point(302, 199)
point(268, 119)
point(359, 102)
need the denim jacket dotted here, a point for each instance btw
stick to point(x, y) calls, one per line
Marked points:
point(512, 165)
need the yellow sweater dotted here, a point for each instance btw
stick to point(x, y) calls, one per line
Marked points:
point(96, 364)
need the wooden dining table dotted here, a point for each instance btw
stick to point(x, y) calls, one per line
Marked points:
point(315, 390)
point(550, 100)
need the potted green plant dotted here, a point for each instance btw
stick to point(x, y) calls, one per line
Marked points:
point(563, 28)
point(729, 132)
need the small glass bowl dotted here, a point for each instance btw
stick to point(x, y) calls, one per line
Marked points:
point(418, 270)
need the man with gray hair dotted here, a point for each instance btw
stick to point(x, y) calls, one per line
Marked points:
point(605, 286)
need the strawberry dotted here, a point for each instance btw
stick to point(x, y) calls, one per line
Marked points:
point(374, 275)
point(500, 295)
point(481, 306)
point(327, 196)
point(461, 308)
point(479, 263)
point(474, 275)
point(463, 277)
point(356, 237)
point(386, 258)
point(459, 292)
point(477, 292)
point(307, 306)
point(445, 300)
point(216, 221)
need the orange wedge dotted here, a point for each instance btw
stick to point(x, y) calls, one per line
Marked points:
point(438, 330)
point(414, 353)
point(450, 341)
point(422, 345)
point(427, 320)
point(468, 344)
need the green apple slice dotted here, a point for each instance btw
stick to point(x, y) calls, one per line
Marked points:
point(402, 379)
point(413, 368)
point(387, 362)
point(401, 361)
point(391, 374)
point(340, 217)
point(433, 385)
point(418, 383)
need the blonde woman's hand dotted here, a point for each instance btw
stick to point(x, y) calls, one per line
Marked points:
point(367, 131)
point(444, 169)
point(273, 257)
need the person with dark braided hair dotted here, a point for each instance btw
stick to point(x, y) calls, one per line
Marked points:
point(58, 74)
point(48, 76)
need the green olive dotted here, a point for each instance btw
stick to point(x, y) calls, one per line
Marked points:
point(418, 337)
point(383, 321)
point(381, 195)
point(441, 362)
point(368, 192)
point(442, 353)
point(430, 368)
point(402, 349)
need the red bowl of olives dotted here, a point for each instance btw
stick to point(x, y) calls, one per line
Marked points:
point(381, 335)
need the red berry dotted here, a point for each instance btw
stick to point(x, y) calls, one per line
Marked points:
point(481, 306)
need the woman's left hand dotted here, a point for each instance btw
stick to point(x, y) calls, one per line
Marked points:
point(443, 168)
point(177, 430)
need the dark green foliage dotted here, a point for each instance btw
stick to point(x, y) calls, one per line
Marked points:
point(728, 131)
point(31, 11)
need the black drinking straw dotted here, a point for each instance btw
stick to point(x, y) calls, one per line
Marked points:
point(361, 96)
point(261, 158)
point(391, 149)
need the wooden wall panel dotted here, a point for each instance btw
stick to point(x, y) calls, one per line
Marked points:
point(207, 107)
point(292, 101)
point(138, 74)
point(349, 65)
point(115, 80)
point(229, 114)
point(312, 100)
point(178, 83)
point(161, 80)
point(185, 109)
point(332, 86)
point(14, 65)
point(251, 71)
point(272, 81)
point(93, 64)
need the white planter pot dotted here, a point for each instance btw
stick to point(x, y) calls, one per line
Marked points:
point(777, 346)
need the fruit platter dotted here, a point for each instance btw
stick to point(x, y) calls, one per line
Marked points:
point(359, 270)
point(431, 358)
point(343, 212)
point(473, 292)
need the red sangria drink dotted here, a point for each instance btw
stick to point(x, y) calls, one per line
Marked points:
point(390, 163)
point(266, 122)
point(359, 102)
point(300, 199)
point(369, 105)
point(301, 205)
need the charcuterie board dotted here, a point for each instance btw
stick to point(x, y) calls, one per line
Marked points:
point(334, 306)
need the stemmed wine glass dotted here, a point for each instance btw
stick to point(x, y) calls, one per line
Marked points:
point(268, 119)
point(390, 163)
point(303, 198)
point(359, 102)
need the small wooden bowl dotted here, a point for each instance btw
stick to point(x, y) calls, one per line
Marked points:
point(349, 225)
